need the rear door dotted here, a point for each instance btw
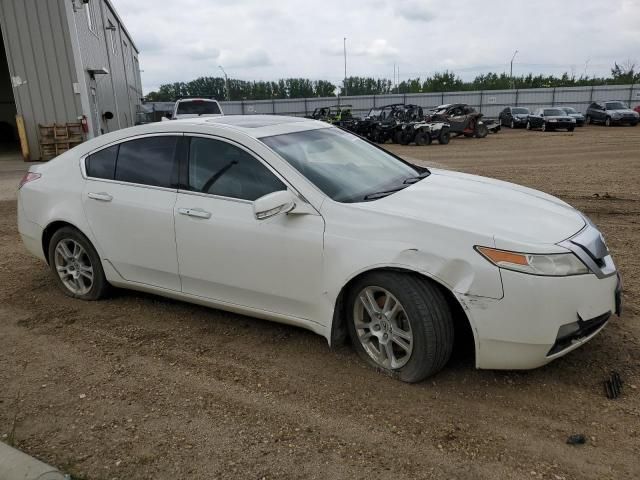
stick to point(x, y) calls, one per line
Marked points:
point(128, 199)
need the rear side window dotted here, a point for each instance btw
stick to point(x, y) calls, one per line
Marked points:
point(219, 168)
point(102, 164)
point(149, 161)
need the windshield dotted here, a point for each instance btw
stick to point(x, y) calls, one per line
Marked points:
point(342, 165)
point(374, 112)
point(197, 107)
point(569, 110)
point(520, 111)
point(616, 106)
point(553, 112)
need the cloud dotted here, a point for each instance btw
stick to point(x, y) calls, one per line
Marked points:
point(248, 59)
point(258, 40)
point(415, 10)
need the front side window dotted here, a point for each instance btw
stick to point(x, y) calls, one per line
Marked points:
point(342, 165)
point(148, 161)
point(219, 168)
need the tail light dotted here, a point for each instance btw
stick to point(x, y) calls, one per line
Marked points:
point(28, 177)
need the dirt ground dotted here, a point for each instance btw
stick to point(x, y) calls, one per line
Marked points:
point(138, 386)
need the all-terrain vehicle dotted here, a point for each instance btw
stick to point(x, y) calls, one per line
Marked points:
point(339, 115)
point(379, 124)
point(424, 132)
point(464, 120)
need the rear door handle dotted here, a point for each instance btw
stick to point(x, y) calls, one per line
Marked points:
point(101, 196)
point(194, 212)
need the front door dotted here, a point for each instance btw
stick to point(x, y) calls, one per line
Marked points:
point(128, 200)
point(226, 254)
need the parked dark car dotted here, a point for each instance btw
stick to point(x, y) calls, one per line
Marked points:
point(573, 113)
point(612, 112)
point(550, 119)
point(514, 117)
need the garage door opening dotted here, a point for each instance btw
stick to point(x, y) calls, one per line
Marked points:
point(8, 132)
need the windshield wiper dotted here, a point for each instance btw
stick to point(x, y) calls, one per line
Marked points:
point(410, 180)
point(384, 193)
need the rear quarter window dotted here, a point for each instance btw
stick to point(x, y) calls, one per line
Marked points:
point(102, 164)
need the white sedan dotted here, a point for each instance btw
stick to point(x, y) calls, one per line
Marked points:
point(296, 221)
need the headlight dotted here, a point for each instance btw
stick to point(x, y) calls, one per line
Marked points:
point(550, 264)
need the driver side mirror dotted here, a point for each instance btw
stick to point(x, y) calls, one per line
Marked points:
point(273, 204)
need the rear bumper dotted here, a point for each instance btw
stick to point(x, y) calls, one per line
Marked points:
point(30, 233)
point(540, 318)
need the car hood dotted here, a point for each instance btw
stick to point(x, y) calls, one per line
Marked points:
point(485, 206)
point(622, 111)
point(575, 115)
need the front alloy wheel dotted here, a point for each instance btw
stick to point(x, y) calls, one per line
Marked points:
point(383, 328)
point(400, 323)
point(512, 124)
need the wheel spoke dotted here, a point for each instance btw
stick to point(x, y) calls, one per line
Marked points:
point(388, 347)
point(63, 250)
point(369, 302)
point(86, 272)
point(402, 342)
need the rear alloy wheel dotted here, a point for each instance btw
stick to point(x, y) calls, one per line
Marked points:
point(607, 121)
point(76, 265)
point(400, 324)
point(423, 138)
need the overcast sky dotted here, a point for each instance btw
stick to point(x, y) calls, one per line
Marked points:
point(271, 39)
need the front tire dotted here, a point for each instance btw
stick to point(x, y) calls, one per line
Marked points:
point(400, 324)
point(423, 138)
point(528, 125)
point(544, 126)
point(444, 137)
point(588, 120)
point(607, 122)
point(76, 265)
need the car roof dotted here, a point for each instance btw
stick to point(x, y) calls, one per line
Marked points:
point(256, 126)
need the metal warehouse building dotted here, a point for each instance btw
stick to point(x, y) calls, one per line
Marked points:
point(65, 62)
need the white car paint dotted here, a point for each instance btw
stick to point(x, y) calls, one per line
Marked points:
point(292, 267)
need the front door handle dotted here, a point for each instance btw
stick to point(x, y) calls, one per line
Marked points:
point(101, 196)
point(194, 212)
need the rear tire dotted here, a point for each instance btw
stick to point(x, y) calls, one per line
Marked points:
point(76, 265)
point(400, 324)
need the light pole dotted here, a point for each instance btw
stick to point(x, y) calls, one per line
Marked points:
point(226, 82)
point(511, 69)
point(586, 65)
point(345, 66)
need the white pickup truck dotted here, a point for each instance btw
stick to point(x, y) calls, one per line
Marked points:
point(195, 107)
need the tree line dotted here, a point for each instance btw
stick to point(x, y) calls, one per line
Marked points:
point(215, 87)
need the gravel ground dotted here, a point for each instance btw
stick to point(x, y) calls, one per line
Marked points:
point(138, 386)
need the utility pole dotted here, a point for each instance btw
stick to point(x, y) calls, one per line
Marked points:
point(345, 66)
point(226, 83)
point(511, 69)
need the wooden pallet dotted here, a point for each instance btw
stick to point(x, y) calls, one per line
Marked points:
point(58, 138)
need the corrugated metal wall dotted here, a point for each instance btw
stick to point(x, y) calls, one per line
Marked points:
point(36, 38)
point(490, 102)
point(50, 46)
